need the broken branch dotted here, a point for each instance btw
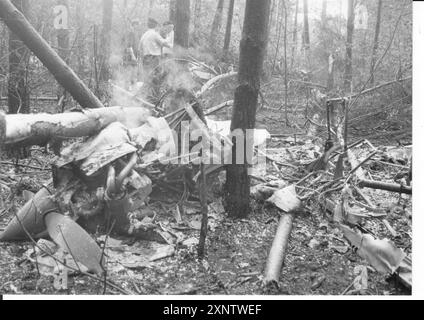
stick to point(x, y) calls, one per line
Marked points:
point(278, 250)
point(398, 188)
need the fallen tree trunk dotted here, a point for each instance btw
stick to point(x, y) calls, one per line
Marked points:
point(66, 77)
point(278, 250)
point(385, 186)
point(38, 129)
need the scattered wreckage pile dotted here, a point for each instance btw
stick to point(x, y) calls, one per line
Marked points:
point(102, 180)
point(100, 185)
point(345, 183)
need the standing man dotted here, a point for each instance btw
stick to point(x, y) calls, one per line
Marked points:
point(150, 46)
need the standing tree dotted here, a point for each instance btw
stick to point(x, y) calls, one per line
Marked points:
point(294, 45)
point(216, 24)
point(182, 23)
point(63, 31)
point(306, 38)
point(105, 51)
point(63, 44)
point(349, 42)
point(149, 12)
point(18, 94)
point(227, 39)
point(286, 84)
point(324, 13)
point(80, 43)
point(197, 15)
point(172, 9)
point(252, 53)
point(376, 37)
point(330, 75)
point(279, 27)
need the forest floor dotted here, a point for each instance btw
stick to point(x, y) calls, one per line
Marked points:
point(318, 262)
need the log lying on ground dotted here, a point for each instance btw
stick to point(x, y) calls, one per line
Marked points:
point(38, 129)
point(278, 250)
point(385, 186)
point(67, 78)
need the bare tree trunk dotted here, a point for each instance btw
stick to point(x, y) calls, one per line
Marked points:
point(294, 45)
point(227, 39)
point(376, 37)
point(252, 53)
point(18, 95)
point(349, 43)
point(80, 38)
point(151, 4)
point(324, 13)
point(182, 23)
point(197, 14)
point(63, 35)
point(63, 50)
point(306, 38)
point(279, 19)
point(328, 56)
point(18, 91)
point(330, 79)
point(17, 23)
point(105, 72)
point(286, 85)
point(172, 9)
point(216, 24)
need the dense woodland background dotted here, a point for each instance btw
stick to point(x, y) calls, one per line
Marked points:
point(301, 39)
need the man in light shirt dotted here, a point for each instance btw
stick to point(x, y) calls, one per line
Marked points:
point(151, 44)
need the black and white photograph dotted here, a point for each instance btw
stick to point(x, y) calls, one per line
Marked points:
point(203, 148)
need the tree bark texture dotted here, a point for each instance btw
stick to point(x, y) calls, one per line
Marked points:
point(105, 72)
point(349, 43)
point(216, 24)
point(252, 53)
point(228, 29)
point(18, 95)
point(376, 38)
point(39, 129)
point(182, 23)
